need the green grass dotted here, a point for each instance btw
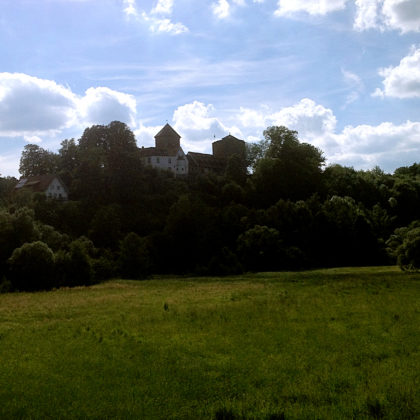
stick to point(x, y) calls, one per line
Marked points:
point(341, 343)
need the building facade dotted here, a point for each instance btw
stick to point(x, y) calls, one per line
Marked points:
point(167, 153)
point(51, 185)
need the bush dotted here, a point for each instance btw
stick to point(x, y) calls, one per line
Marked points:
point(74, 268)
point(404, 245)
point(31, 267)
point(225, 263)
point(260, 249)
point(134, 261)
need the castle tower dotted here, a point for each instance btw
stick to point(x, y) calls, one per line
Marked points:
point(228, 146)
point(167, 139)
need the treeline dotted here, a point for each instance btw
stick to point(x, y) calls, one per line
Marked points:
point(279, 210)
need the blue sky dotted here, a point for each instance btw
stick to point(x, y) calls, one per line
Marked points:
point(344, 73)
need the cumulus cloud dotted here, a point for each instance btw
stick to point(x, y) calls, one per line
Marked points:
point(163, 7)
point(402, 15)
point(221, 9)
point(364, 146)
point(102, 105)
point(145, 135)
point(164, 25)
point(32, 139)
point(313, 7)
point(198, 126)
point(157, 19)
point(30, 107)
point(402, 81)
point(386, 145)
point(130, 8)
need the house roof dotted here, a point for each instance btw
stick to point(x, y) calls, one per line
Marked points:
point(229, 137)
point(38, 183)
point(204, 160)
point(156, 151)
point(167, 130)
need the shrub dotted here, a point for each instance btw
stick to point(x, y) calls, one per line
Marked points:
point(134, 261)
point(74, 268)
point(260, 249)
point(404, 245)
point(225, 263)
point(31, 267)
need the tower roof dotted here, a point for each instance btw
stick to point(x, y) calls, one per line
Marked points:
point(167, 130)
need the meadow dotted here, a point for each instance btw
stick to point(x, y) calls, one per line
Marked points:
point(326, 344)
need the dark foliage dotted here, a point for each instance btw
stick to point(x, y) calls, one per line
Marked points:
point(288, 213)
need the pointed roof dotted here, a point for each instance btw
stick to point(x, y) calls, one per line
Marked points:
point(38, 183)
point(167, 130)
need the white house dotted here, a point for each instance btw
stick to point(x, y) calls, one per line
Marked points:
point(51, 185)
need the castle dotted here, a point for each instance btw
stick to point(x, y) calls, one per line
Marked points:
point(168, 154)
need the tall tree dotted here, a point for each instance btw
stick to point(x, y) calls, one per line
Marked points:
point(287, 168)
point(37, 161)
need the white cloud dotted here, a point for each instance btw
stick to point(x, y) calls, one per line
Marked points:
point(403, 15)
point(367, 14)
point(221, 9)
point(130, 8)
point(32, 139)
point(30, 107)
point(164, 25)
point(355, 84)
point(163, 7)
point(365, 146)
point(402, 81)
point(310, 119)
point(145, 135)
point(154, 19)
point(198, 126)
point(102, 105)
point(313, 7)
point(387, 145)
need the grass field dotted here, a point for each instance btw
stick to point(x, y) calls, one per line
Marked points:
point(340, 343)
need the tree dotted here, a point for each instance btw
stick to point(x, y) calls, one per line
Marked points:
point(31, 267)
point(288, 168)
point(404, 245)
point(260, 249)
point(134, 259)
point(37, 161)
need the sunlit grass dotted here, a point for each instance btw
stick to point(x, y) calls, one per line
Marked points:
point(341, 343)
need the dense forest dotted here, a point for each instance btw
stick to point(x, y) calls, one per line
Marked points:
point(281, 209)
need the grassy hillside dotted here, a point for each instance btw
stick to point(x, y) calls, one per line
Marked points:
point(340, 343)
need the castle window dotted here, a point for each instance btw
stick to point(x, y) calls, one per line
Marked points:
point(169, 160)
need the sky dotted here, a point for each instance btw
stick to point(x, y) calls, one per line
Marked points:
point(344, 73)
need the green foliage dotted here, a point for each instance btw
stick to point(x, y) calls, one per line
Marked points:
point(288, 168)
point(134, 261)
point(404, 245)
point(74, 267)
point(37, 161)
point(287, 213)
point(260, 249)
point(31, 267)
point(225, 263)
